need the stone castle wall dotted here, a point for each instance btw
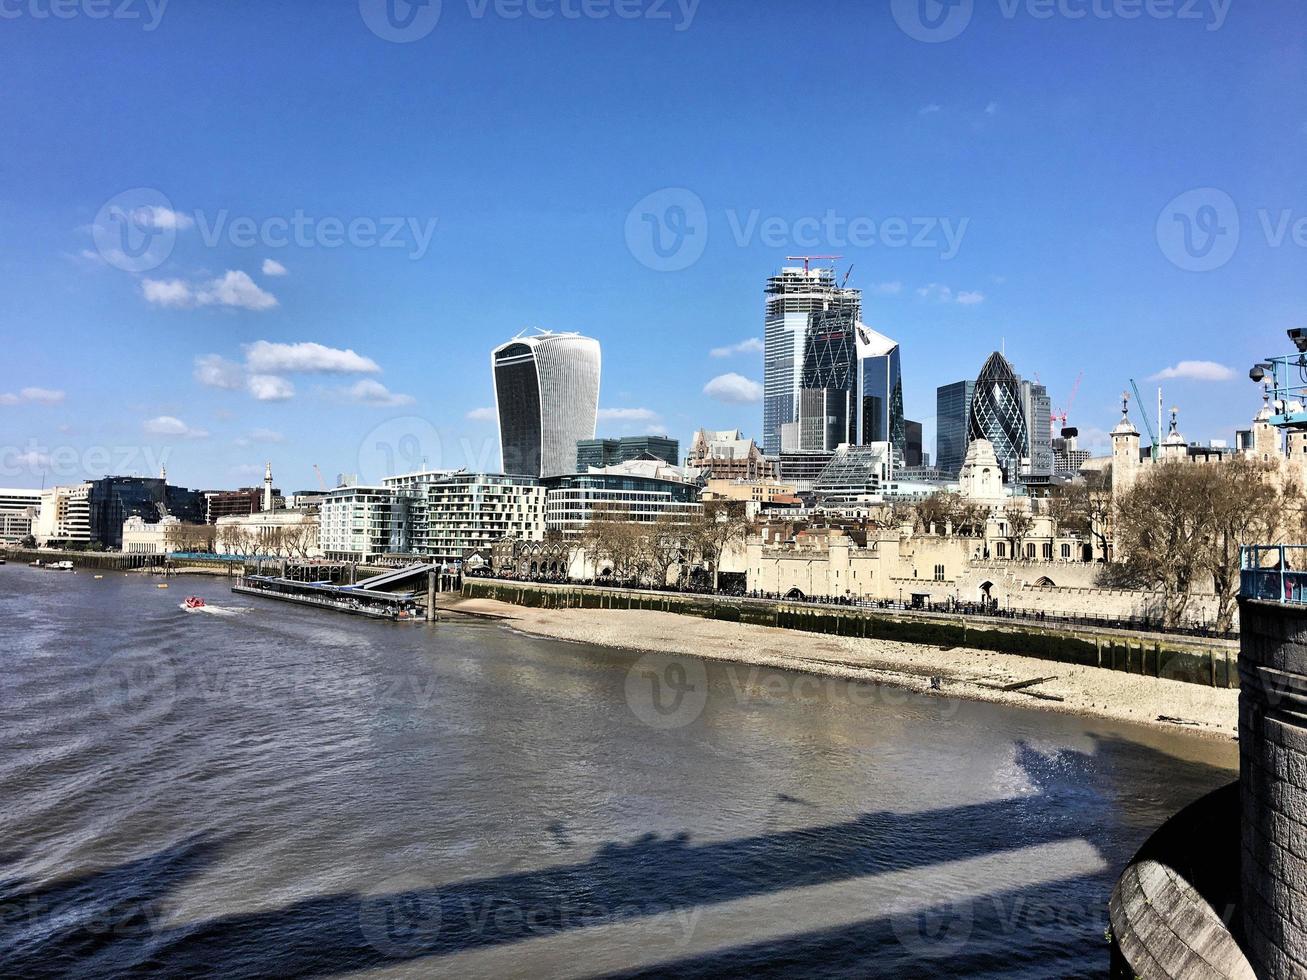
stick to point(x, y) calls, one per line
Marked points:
point(1273, 776)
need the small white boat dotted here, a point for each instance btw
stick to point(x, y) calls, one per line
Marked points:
point(60, 566)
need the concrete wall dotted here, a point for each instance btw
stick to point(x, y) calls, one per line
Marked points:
point(1273, 778)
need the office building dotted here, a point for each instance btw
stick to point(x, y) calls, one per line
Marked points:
point(856, 474)
point(1015, 417)
point(237, 503)
point(792, 297)
point(64, 517)
point(727, 455)
point(801, 469)
point(952, 417)
point(18, 512)
point(596, 453)
point(643, 491)
point(547, 400)
point(1068, 457)
point(912, 448)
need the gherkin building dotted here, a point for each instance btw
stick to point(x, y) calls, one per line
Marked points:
point(997, 415)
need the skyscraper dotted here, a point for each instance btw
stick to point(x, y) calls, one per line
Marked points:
point(881, 376)
point(792, 296)
point(1015, 416)
point(547, 400)
point(952, 415)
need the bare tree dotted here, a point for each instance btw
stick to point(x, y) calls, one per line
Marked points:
point(1246, 505)
point(722, 524)
point(1019, 522)
point(1084, 507)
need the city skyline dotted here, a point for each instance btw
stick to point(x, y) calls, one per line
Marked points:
point(237, 341)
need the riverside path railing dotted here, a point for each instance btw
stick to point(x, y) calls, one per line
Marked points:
point(1274, 573)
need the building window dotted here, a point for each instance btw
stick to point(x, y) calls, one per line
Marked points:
point(1000, 550)
point(1048, 552)
point(939, 573)
point(1066, 551)
point(1030, 550)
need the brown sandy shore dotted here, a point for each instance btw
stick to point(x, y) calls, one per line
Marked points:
point(963, 673)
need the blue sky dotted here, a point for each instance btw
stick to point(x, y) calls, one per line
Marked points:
point(1065, 154)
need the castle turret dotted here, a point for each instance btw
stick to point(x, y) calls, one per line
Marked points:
point(1125, 450)
point(1174, 448)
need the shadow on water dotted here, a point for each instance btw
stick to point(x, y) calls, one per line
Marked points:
point(107, 922)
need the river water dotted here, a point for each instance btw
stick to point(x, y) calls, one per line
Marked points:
point(262, 790)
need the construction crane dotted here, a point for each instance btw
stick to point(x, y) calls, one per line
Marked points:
point(321, 482)
point(1139, 400)
point(1071, 400)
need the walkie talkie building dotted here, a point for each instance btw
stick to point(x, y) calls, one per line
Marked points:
point(547, 400)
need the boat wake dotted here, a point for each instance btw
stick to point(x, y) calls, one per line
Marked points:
point(214, 610)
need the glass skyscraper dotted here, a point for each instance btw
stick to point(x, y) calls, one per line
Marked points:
point(1015, 416)
point(881, 390)
point(952, 415)
point(547, 400)
point(792, 297)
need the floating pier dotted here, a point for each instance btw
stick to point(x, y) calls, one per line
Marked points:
point(352, 599)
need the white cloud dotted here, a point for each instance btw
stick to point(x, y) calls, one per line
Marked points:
point(167, 292)
point(263, 357)
point(39, 396)
point(750, 346)
point(43, 396)
point(937, 292)
point(482, 414)
point(165, 218)
point(930, 109)
point(627, 415)
point(887, 288)
point(1194, 371)
point(235, 288)
point(370, 392)
point(734, 389)
point(269, 388)
point(271, 267)
point(167, 425)
point(215, 371)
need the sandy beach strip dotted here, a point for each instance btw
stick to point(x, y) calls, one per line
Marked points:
point(962, 672)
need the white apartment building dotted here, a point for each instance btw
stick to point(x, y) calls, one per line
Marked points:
point(360, 523)
point(462, 512)
point(640, 490)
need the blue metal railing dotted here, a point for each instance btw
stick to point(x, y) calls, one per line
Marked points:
point(1273, 572)
point(1288, 391)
